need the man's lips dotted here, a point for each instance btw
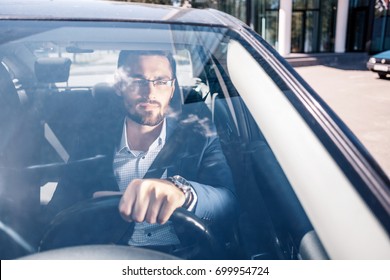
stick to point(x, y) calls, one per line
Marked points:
point(148, 104)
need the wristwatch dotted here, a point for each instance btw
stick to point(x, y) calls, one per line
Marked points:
point(186, 188)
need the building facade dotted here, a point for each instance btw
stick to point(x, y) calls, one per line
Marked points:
point(316, 26)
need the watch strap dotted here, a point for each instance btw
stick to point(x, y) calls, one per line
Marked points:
point(187, 189)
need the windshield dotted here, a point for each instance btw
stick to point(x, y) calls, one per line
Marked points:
point(110, 129)
point(65, 127)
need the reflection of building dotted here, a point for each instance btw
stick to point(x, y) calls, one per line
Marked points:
point(313, 26)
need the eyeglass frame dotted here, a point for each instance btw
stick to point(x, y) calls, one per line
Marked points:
point(143, 82)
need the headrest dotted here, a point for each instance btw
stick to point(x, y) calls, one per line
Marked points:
point(52, 69)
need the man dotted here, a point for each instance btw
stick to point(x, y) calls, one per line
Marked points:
point(198, 178)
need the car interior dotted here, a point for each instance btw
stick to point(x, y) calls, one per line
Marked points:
point(43, 112)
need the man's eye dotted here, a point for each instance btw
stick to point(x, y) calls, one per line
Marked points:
point(139, 82)
point(161, 82)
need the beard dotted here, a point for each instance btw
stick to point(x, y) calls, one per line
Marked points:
point(149, 118)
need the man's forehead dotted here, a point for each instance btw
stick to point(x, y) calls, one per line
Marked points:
point(139, 58)
point(152, 62)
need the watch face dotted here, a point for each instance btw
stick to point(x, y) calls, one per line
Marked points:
point(177, 177)
point(181, 183)
point(180, 180)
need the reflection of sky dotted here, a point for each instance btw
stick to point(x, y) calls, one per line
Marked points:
point(99, 65)
point(100, 68)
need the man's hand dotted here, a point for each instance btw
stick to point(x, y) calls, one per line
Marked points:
point(150, 200)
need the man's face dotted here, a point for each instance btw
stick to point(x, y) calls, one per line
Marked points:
point(146, 101)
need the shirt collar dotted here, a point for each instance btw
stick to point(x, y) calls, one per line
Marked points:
point(123, 146)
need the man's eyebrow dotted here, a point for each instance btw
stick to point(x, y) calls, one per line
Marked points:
point(162, 77)
point(138, 76)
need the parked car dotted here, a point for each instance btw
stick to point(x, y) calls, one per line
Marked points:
point(305, 185)
point(380, 63)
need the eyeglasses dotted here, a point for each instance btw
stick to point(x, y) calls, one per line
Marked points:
point(160, 83)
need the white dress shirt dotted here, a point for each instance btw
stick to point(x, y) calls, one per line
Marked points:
point(131, 164)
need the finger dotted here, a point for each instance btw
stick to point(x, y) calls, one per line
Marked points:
point(153, 209)
point(141, 203)
point(166, 211)
point(125, 210)
point(126, 204)
point(173, 199)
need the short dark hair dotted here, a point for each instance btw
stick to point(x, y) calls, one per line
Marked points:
point(125, 54)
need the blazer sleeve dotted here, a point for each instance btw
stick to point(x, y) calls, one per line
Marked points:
point(214, 187)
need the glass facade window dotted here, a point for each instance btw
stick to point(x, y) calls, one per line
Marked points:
point(271, 4)
point(236, 8)
point(304, 26)
point(313, 23)
point(313, 4)
point(359, 3)
point(311, 40)
point(381, 31)
point(266, 20)
point(368, 26)
point(299, 4)
point(327, 25)
point(313, 26)
point(306, 4)
point(358, 25)
point(386, 45)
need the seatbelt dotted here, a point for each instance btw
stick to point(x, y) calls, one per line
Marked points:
point(55, 143)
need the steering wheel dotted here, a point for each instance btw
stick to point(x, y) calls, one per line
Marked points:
point(97, 221)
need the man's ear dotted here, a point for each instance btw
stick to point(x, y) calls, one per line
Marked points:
point(173, 92)
point(117, 88)
point(118, 82)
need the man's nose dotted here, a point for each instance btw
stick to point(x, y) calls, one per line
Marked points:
point(149, 90)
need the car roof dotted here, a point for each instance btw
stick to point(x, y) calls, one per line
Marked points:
point(99, 10)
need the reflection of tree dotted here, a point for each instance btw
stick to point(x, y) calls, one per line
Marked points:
point(271, 28)
point(328, 9)
point(382, 5)
point(296, 33)
point(266, 21)
point(381, 30)
point(236, 8)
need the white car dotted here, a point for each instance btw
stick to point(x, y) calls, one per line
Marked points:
point(380, 63)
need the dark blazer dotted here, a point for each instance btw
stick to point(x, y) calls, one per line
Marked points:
point(198, 157)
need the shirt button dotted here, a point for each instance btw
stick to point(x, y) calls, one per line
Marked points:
point(149, 234)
